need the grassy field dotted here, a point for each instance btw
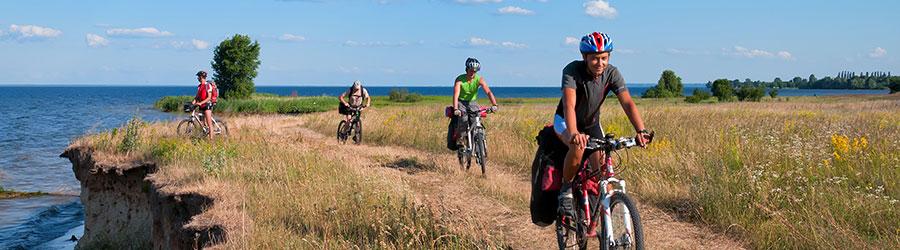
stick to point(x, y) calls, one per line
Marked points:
point(786, 173)
point(274, 193)
point(261, 103)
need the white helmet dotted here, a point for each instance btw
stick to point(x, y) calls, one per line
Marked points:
point(473, 64)
point(357, 84)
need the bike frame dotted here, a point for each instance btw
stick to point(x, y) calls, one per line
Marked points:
point(354, 119)
point(196, 117)
point(606, 191)
point(470, 133)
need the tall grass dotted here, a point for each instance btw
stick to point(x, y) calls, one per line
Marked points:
point(258, 103)
point(779, 175)
point(273, 192)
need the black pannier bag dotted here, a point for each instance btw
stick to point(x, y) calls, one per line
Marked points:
point(546, 174)
point(451, 129)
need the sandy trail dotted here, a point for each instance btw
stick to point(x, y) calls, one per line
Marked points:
point(495, 206)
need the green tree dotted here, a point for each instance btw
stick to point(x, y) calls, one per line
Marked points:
point(773, 93)
point(669, 85)
point(722, 90)
point(235, 61)
point(895, 84)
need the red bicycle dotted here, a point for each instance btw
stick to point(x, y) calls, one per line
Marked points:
point(599, 190)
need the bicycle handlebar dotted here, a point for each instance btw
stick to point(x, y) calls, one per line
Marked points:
point(612, 144)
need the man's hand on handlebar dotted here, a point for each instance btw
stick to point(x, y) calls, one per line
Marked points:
point(580, 141)
point(643, 138)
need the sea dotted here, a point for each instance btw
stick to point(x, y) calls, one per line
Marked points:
point(38, 122)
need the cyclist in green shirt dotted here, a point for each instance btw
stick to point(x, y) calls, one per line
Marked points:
point(465, 89)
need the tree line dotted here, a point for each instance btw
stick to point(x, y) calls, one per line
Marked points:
point(843, 80)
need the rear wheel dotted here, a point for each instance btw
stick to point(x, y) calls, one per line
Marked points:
point(626, 224)
point(568, 236)
point(221, 128)
point(341, 137)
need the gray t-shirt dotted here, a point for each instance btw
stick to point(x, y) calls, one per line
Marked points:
point(590, 92)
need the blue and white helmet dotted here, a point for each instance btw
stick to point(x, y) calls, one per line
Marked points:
point(596, 42)
point(473, 64)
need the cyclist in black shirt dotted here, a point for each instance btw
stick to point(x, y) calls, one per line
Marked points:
point(585, 85)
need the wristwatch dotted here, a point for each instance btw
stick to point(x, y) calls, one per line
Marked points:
point(642, 131)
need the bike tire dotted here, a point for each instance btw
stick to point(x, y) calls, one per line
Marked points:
point(481, 151)
point(223, 128)
point(617, 203)
point(568, 238)
point(340, 131)
point(357, 133)
point(186, 127)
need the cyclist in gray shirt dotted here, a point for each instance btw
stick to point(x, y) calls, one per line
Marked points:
point(585, 85)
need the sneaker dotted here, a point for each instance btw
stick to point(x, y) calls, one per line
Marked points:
point(461, 141)
point(566, 201)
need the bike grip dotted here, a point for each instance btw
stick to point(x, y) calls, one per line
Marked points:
point(652, 133)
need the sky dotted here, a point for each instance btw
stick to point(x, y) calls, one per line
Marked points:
point(426, 42)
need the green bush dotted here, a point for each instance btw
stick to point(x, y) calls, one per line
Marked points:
point(747, 93)
point(773, 93)
point(403, 95)
point(258, 103)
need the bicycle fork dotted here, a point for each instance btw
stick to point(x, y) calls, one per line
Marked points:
point(608, 192)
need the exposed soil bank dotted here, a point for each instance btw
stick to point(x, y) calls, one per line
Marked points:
point(123, 208)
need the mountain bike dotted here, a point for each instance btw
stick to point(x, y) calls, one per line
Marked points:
point(475, 143)
point(355, 128)
point(621, 224)
point(189, 125)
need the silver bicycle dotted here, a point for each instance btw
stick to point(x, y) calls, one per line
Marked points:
point(475, 141)
point(190, 125)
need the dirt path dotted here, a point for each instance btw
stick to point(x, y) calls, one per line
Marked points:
point(495, 206)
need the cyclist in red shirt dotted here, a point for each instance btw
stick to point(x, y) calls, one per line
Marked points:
point(204, 100)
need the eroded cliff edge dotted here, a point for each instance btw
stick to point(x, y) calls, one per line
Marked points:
point(124, 208)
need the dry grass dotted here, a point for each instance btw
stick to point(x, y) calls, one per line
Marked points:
point(272, 190)
point(801, 174)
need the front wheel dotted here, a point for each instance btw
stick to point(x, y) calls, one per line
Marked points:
point(341, 137)
point(480, 150)
point(186, 127)
point(626, 225)
point(357, 132)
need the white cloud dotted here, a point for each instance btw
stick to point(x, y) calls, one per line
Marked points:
point(96, 40)
point(785, 55)
point(199, 44)
point(475, 42)
point(290, 37)
point(757, 53)
point(572, 41)
point(478, 1)
point(600, 9)
point(481, 42)
point(32, 32)
point(512, 10)
point(348, 70)
point(879, 52)
point(512, 45)
point(625, 51)
point(139, 32)
point(375, 44)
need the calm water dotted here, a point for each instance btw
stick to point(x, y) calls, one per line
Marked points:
point(37, 124)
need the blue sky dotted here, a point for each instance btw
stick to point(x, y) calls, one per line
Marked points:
point(396, 42)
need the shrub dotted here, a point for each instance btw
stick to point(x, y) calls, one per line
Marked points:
point(773, 93)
